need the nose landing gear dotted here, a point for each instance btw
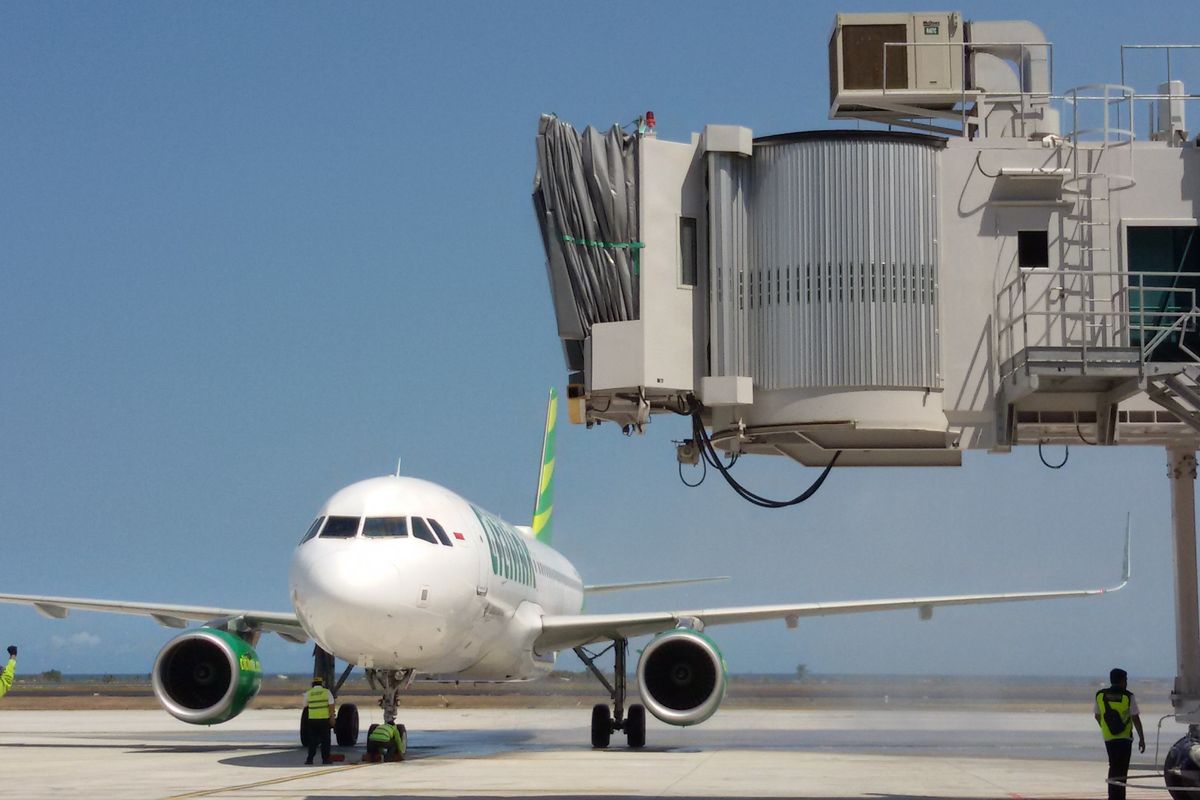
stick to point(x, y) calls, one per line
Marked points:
point(604, 722)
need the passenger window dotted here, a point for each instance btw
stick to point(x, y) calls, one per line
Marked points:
point(441, 532)
point(340, 528)
point(312, 529)
point(421, 530)
point(385, 526)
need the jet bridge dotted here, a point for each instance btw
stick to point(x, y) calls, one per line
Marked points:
point(1002, 265)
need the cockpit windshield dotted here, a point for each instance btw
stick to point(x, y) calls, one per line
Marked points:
point(340, 528)
point(312, 529)
point(421, 530)
point(385, 526)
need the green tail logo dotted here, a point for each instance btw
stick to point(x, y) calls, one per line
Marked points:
point(543, 506)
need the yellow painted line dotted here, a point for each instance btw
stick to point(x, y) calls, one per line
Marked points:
point(313, 774)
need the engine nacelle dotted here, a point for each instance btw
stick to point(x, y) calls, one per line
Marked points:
point(206, 676)
point(682, 676)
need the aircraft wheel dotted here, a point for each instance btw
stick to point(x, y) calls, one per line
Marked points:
point(601, 726)
point(346, 725)
point(304, 728)
point(635, 726)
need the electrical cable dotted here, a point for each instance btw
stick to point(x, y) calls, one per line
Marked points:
point(979, 167)
point(710, 455)
point(1079, 431)
point(1061, 464)
point(703, 475)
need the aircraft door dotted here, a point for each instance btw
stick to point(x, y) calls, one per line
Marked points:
point(483, 560)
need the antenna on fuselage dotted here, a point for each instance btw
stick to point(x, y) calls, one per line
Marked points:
point(398, 460)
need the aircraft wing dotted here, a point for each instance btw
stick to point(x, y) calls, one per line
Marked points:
point(562, 632)
point(170, 616)
point(598, 588)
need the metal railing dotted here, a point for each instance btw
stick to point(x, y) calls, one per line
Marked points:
point(1154, 97)
point(1145, 310)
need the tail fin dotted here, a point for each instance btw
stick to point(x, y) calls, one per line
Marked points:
point(543, 506)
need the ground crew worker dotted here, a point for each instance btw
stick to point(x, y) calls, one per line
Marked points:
point(1117, 715)
point(391, 739)
point(320, 719)
point(10, 670)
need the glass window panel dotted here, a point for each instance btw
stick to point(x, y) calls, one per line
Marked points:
point(312, 529)
point(441, 532)
point(385, 526)
point(421, 530)
point(340, 528)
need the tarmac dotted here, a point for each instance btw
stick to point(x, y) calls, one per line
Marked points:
point(516, 752)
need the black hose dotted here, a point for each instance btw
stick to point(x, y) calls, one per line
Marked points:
point(1061, 464)
point(703, 475)
point(710, 455)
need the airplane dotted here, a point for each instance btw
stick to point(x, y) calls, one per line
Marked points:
point(403, 577)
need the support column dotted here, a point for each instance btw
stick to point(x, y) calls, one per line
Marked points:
point(1182, 473)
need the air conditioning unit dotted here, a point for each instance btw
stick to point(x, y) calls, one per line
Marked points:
point(878, 61)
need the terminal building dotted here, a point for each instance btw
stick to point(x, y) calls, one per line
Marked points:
point(972, 260)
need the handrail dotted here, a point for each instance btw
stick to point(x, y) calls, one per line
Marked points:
point(1122, 324)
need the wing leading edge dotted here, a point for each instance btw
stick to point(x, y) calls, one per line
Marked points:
point(562, 632)
point(170, 616)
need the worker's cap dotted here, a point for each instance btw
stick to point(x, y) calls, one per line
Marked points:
point(1116, 675)
point(318, 681)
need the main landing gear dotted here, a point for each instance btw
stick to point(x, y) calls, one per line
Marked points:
point(605, 722)
point(345, 727)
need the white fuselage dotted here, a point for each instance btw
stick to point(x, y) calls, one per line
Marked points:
point(469, 609)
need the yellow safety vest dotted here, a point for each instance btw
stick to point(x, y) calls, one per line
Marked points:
point(1117, 702)
point(6, 677)
point(319, 699)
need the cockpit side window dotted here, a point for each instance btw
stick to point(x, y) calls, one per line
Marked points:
point(313, 529)
point(340, 528)
point(441, 532)
point(421, 530)
point(385, 526)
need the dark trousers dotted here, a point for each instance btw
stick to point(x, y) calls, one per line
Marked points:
point(1119, 751)
point(318, 734)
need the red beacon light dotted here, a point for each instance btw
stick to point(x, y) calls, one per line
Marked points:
point(648, 123)
point(650, 119)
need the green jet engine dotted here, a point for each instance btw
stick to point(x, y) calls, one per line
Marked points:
point(206, 676)
point(682, 676)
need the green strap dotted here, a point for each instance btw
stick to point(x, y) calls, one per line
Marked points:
point(610, 245)
point(634, 246)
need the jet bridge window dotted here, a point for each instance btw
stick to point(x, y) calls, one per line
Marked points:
point(385, 526)
point(421, 530)
point(441, 532)
point(313, 529)
point(340, 528)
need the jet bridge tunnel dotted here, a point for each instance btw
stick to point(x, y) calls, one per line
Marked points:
point(1001, 265)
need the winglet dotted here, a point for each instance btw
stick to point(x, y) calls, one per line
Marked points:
point(543, 505)
point(1125, 572)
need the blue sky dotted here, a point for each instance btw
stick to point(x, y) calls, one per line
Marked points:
point(252, 253)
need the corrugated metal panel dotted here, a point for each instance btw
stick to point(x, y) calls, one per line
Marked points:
point(824, 264)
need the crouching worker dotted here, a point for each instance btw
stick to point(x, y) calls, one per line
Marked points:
point(387, 742)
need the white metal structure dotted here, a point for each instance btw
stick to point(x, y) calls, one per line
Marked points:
point(403, 577)
point(1023, 269)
